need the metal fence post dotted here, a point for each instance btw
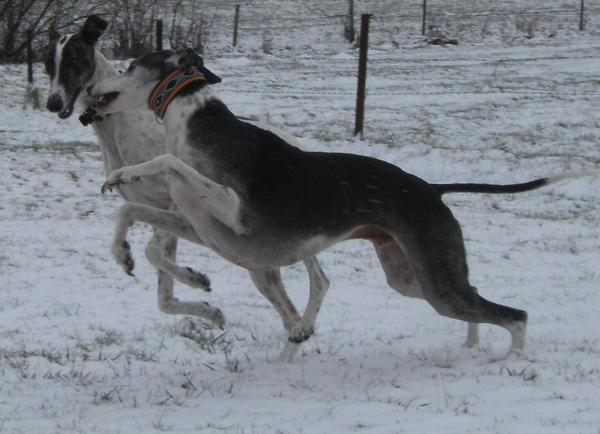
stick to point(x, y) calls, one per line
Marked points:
point(362, 74)
point(424, 29)
point(236, 21)
point(32, 94)
point(349, 32)
point(159, 34)
point(582, 16)
point(30, 56)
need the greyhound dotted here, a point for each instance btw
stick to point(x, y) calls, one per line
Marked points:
point(262, 203)
point(132, 137)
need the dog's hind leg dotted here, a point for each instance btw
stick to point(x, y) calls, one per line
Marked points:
point(156, 256)
point(167, 302)
point(221, 201)
point(269, 283)
point(435, 248)
point(319, 284)
point(164, 246)
point(401, 277)
point(472, 332)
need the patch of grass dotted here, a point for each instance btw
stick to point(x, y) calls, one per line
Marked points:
point(109, 337)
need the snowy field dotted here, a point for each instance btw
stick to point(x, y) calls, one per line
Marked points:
point(84, 348)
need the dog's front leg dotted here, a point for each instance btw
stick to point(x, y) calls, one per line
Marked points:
point(221, 201)
point(269, 283)
point(171, 223)
point(167, 302)
point(319, 284)
point(157, 255)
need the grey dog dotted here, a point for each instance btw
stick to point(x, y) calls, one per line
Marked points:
point(261, 203)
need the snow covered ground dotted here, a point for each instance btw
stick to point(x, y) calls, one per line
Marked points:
point(84, 348)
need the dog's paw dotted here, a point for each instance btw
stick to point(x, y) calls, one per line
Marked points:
point(301, 332)
point(195, 279)
point(218, 318)
point(118, 177)
point(122, 253)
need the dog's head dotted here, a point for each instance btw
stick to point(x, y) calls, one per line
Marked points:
point(70, 63)
point(131, 89)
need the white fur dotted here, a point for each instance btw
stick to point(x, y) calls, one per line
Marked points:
point(187, 185)
point(220, 201)
point(574, 175)
point(55, 86)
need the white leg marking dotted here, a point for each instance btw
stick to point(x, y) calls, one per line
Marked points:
point(518, 332)
point(268, 281)
point(289, 352)
point(167, 303)
point(472, 335)
point(173, 224)
point(319, 284)
point(155, 254)
point(222, 202)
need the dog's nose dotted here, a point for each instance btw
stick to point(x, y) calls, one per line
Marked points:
point(54, 103)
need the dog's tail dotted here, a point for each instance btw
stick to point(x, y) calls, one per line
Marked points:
point(509, 188)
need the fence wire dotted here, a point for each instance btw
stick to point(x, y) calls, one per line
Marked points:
point(298, 92)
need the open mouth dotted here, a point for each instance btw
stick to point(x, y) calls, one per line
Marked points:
point(105, 99)
point(68, 110)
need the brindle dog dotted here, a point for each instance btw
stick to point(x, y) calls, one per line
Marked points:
point(73, 64)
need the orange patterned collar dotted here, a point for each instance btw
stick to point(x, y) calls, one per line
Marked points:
point(170, 86)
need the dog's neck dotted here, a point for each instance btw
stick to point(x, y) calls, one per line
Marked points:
point(103, 70)
point(178, 83)
point(182, 107)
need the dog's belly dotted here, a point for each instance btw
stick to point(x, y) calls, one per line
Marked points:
point(261, 247)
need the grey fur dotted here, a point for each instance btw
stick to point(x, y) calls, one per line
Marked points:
point(293, 204)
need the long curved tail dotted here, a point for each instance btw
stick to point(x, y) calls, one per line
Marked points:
point(509, 188)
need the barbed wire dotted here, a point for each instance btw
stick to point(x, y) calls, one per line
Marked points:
point(295, 27)
point(440, 13)
point(301, 92)
point(405, 61)
point(320, 18)
point(328, 20)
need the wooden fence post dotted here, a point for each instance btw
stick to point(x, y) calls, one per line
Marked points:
point(424, 27)
point(349, 32)
point(236, 21)
point(362, 75)
point(159, 34)
point(32, 94)
point(30, 57)
point(582, 16)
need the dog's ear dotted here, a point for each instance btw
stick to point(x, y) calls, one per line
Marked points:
point(93, 27)
point(53, 34)
point(188, 57)
point(211, 77)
